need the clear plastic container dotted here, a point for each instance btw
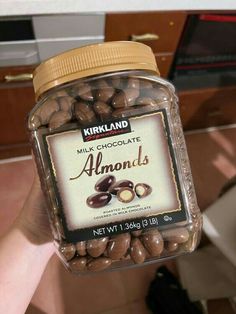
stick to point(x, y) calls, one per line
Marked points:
point(111, 156)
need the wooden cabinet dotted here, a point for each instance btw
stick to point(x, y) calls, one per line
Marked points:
point(199, 108)
point(164, 63)
point(165, 29)
point(166, 25)
point(16, 100)
point(202, 108)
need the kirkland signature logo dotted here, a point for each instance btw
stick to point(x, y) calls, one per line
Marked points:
point(103, 130)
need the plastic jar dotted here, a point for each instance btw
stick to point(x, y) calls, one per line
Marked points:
point(112, 160)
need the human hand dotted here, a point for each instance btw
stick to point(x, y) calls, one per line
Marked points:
point(33, 219)
point(25, 250)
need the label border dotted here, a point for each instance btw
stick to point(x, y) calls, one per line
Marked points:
point(164, 218)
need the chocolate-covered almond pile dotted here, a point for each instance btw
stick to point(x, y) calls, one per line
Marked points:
point(136, 246)
point(86, 104)
point(111, 157)
point(98, 101)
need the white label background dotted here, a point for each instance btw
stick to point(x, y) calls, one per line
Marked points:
point(157, 173)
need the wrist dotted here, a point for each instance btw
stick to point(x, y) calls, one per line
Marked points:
point(22, 264)
point(19, 236)
point(33, 233)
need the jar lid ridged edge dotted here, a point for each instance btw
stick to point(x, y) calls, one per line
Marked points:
point(91, 60)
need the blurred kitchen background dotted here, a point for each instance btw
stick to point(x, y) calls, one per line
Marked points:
point(196, 50)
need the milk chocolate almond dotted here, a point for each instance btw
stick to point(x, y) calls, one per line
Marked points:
point(58, 119)
point(133, 111)
point(142, 190)
point(67, 250)
point(153, 242)
point(101, 83)
point(99, 264)
point(118, 246)
point(105, 94)
point(81, 248)
point(137, 251)
point(84, 107)
point(46, 110)
point(65, 103)
point(158, 94)
point(84, 92)
point(116, 81)
point(104, 183)
point(84, 113)
point(96, 247)
point(131, 94)
point(125, 98)
point(114, 188)
point(171, 246)
point(85, 119)
point(146, 101)
point(97, 200)
point(78, 264)
point(145, 84)
point(178, 235)
point(125, 195)
point(133, 83)
point(103, 110)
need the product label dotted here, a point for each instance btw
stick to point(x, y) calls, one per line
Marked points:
point(134, 159)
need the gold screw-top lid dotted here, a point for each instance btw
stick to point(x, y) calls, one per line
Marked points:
point(91, 60)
